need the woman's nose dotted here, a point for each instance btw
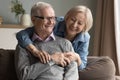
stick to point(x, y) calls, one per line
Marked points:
point(75, 24)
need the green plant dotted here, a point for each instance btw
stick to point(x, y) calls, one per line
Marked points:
point(17, 7)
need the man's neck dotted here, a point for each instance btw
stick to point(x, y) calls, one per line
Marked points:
point(43, 36)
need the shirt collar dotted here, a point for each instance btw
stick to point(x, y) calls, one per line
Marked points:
point(49, 38)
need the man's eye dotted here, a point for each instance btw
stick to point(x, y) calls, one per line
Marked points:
point(52, 18)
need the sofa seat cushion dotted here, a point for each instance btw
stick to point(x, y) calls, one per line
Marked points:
point(98, 68)
point(7, 65)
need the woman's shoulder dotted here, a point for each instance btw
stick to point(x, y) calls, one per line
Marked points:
point(87, 35)
point(60, 18)
point(82, 37)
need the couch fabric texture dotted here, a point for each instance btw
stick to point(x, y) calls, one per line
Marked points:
point(98, 68)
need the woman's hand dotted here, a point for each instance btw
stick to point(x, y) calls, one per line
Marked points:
point(42, 55)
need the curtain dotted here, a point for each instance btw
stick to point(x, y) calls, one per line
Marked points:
point(104, 31)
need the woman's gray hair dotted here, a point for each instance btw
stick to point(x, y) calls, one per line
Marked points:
point(86, 11)
point(39, 6)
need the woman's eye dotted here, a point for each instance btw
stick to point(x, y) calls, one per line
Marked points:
point(80, 23)
point(72, 19)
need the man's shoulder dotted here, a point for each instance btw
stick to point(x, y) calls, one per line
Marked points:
point(62, 40)
point(20, 49)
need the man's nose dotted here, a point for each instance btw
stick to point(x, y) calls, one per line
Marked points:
point(51, 21)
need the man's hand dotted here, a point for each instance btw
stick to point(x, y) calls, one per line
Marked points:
point(60, 59)
point(73, 57)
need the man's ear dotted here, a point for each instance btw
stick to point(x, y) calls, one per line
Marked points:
point(33, 19)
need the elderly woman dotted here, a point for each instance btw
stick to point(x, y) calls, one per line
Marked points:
point(74, 27)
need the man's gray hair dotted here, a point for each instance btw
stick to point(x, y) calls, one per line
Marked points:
point(39, 6)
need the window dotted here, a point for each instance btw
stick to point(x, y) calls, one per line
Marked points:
point(117, 28)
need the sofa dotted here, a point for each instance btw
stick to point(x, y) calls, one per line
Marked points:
point(98, 68)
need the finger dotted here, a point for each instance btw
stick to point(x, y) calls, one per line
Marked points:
point(63, 63)
point(46, 57)
point(67, 60)
point(49, 57)
point(40, 58)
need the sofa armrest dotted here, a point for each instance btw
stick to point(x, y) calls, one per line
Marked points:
point(7, 69)
point(98, 68)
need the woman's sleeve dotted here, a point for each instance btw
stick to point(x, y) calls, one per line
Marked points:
point(83, 52)
point(24, 36)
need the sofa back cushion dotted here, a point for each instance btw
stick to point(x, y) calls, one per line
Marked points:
point(7, 69)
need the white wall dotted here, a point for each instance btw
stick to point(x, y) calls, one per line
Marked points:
point(7, 38)
point(60, 6)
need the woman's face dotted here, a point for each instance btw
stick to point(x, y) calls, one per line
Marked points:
point(75, 23)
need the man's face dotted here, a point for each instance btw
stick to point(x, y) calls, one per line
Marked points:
point(45, 21)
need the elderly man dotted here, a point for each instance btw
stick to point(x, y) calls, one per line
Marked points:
point(60, 67)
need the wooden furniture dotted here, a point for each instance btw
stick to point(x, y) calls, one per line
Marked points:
point(11, 26)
